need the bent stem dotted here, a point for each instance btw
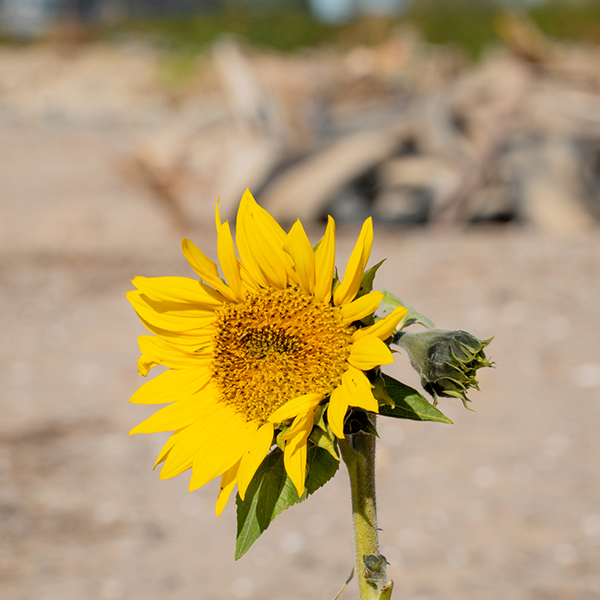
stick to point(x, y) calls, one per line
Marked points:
point(358, 452)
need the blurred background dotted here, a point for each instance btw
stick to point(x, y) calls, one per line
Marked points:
point(469, 131)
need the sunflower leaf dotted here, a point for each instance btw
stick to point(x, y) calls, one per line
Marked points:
point(271, 492)
point(403, 402)
point(366, 283)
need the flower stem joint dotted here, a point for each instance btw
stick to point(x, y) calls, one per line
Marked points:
point(447, 361)
point(375, 568)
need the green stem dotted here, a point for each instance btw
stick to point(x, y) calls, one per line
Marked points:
point(358, 452)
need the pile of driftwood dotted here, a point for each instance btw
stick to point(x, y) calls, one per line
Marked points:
point(407, 132)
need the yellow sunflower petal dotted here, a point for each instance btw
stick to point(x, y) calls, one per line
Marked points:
point(369, 352)
point(267, 223)
point(229, 261)
point(172, 385)
point(179, 414)
point(248, 280)
point(384, 328)
point(189, 440)
point(356, 266)
point(190, 316)
point(179, 289)
point(159, 352)
point(336, 411)
point(251, 271)
point(158, 314)
point(260, 243)
point(295, 407)
point(270, 230)
point(297, 245)
point(256, 453)
point(294, 459)
point(145, 363)
point(294, 454)
point(167, 448)
point(206, 268)
point(325, 263)
point(359, 309)
point(227, 442)
point(228, 481)
point(183, 327)
point(190, 341)
point(178, 460)
point(297, 425)
point(358, 390)
point(181, 456)
point(268, 256)
point(218, 215)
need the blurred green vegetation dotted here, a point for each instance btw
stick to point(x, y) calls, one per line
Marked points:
point(467, 24)
point(281, 30)
point(569, 19)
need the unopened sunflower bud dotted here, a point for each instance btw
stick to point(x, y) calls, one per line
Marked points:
point(447, 361)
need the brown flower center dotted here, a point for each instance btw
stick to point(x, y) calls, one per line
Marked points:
point(275, 346)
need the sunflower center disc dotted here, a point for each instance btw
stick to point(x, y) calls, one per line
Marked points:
point(275, 346)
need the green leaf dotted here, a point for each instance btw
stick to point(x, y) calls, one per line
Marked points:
point(403, 402)
point(271, 492)
point(366, 283)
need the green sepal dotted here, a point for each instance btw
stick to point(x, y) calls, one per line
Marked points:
point(325, 440)
point(336, 282)
point(380, 390)
point(358, 420)
point(403, 402)
point(319, 418)
point(390, 302)
point(282, 428)
point(386, 591)
point(321, 435)
point(279, 439)
point(366, 283)
point(271, 492)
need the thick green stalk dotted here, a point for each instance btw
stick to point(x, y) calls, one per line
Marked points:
point(358, 452)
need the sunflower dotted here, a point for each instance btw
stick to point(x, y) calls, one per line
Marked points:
point(252, 358)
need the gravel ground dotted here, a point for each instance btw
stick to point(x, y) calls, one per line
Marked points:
point(502, 504)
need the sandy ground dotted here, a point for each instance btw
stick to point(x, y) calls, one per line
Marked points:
point(503, 504)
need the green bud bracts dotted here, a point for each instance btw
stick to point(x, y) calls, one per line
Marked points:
point(447, 361)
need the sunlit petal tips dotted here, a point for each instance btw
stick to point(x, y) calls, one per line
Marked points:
point(369, 352)
point(229, 261)
point(358, 389)
point(356, 265)
point(362, 307)
point(336, 411)
point(297, 245)
point(384, 328)
point(205, 268)
point(325, 263)
point(228, 481)
point(251, 460)
point(295, 407)
point(294, 456)
point(255, 347)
